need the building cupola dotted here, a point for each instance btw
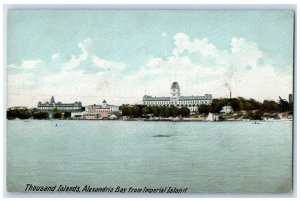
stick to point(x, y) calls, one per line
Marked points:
point(52, 100)
point(175, 90)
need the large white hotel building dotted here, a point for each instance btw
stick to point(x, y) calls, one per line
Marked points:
point(192, 102)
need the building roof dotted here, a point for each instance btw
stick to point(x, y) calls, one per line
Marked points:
point(101, 106)
point(150, 98)
point(175, 85)
point(226, 108)
point(59, 105)
point(205, 97)
point(181, 98)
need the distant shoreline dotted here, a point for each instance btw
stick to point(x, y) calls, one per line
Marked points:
point(158, 120)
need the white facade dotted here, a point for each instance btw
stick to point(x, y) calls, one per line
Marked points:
point(95, 112)
point(77, 114)
point(226, 110)
point(76, 106)
point(192, 102)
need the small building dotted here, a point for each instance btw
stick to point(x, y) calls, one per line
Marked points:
point(94, 112)
point(226, 109)
point(100, 111)
point(112, 116)
point(77, 114)
point(212, 117)
point(112, 108)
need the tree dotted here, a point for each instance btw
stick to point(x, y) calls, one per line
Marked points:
point(67, 114)
point(11, 114)
point(203, 109)
point(173, 111)
point(184, 112)
point(256, 115)
point(283, 105)
point(217, 105)
point(127, 111)
point(40, 115)
point(235, 104)
point(136, 111)
point(23, 113)
point(57, 115)
point(155, 110)
point(164, 111)
point(145, 110)
point(270, 106)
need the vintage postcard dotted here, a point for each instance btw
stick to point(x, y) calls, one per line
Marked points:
point(149, 102)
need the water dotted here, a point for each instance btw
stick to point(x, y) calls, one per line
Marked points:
point(205, 157)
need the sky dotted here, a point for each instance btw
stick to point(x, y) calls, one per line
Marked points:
point(121, 55)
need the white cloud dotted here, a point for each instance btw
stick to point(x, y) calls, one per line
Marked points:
point(75, 61)
point(85, 47)
point(200, 46)
point(55, 57)
point(244, 53)
point(107, 65)
point(155, 75)
point(72, 63)
point(87, 55)
point(12, 66)
point(229, 71)
point(263, 83)
point(30, 64)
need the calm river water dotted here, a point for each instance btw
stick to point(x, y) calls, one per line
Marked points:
point(205, 157)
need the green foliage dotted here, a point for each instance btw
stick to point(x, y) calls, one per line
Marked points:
point(40, 115)
point(137, 111)
point(19, 113)
point(270, 106)
point(57, 115)
point(254, 115)
point(217, 105)
point(283, 105)
point(184, 112)
point(67, 114)
point(236, 104)
point(250, 104)
point(174, 111)
point(204, 109)
point(126, 110)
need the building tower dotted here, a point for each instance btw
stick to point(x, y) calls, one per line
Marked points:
point(52, 100)
point(175, 92)
point(104, 104)
point(290, 98)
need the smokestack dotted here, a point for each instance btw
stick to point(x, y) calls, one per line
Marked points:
point(230, 94)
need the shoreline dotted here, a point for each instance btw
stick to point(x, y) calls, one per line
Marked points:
point(154, 120)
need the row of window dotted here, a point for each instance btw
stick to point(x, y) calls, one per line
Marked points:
point(173, 102)
point(194, 105)
point(67, 107)
point(95, 111)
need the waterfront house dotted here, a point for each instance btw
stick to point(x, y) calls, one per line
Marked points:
point(226, 109)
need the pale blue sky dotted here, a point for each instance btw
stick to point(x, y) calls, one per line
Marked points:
point(131, 39)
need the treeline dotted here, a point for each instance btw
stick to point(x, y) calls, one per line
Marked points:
point(25, 113)
point(241, 103)
point(136, 111)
